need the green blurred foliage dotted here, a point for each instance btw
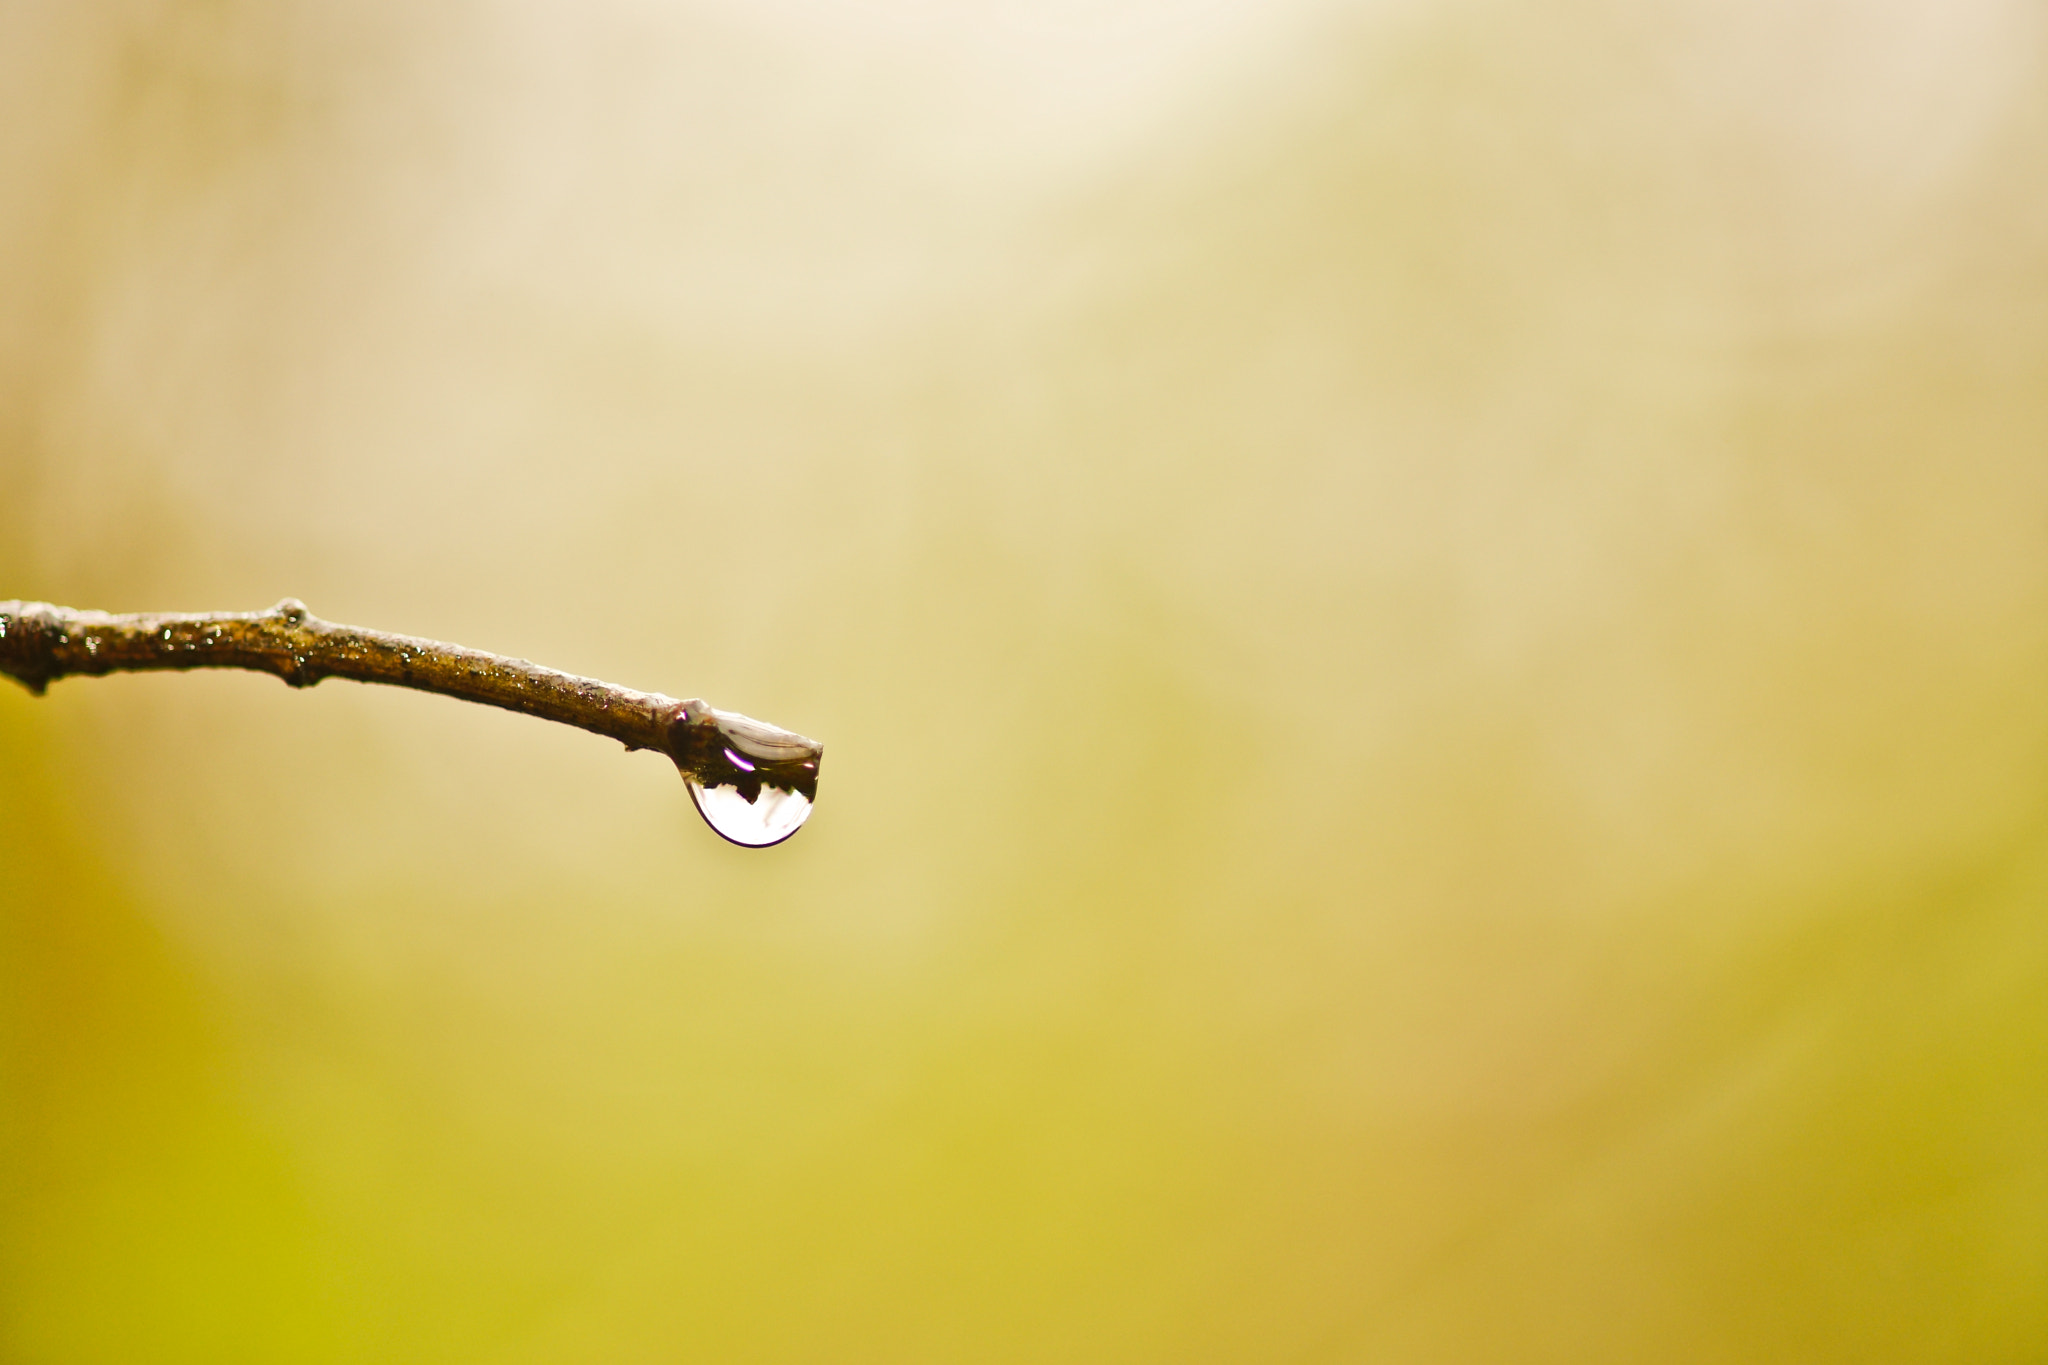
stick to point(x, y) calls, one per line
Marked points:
point(1429, 621)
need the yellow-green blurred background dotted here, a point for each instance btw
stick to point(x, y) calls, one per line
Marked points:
point(1430, 620)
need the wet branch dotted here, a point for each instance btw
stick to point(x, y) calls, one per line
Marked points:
point(40, 643)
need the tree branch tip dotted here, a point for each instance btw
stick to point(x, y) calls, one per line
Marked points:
point(717, 751)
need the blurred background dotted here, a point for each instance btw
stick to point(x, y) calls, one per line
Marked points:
point(1430, 620)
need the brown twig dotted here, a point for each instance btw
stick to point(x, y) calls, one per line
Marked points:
point(40, 643)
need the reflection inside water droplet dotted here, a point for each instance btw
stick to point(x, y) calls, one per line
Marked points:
point(772, 816)
point(753, 783)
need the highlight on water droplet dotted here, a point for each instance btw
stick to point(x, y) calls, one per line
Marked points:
point(772, 816)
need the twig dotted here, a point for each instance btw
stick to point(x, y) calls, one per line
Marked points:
point(40, 643)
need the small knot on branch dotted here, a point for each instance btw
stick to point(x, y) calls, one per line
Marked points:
point(292, 610)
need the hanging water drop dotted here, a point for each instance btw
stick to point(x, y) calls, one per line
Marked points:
point(772, 816)
point(753, 783)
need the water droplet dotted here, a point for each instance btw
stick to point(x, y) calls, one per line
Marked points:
point(753, 783)
point(772, 816)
